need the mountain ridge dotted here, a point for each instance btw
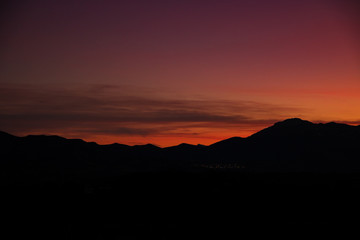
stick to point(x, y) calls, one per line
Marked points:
point(285, 124)
point(282, 175)
point(289, 145)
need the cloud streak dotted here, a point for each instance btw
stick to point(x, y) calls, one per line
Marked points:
point(117, 110)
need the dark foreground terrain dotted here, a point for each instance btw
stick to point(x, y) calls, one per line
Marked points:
point(220, 205)
point(293, 179)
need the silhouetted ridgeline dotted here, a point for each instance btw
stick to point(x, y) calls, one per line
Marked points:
point(293, 175)
point(292, 145)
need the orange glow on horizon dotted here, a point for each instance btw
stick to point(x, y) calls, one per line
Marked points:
point(173, 140)
point(166, 141)
point(136, 72)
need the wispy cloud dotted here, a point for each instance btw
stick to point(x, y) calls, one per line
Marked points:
point(119, 110)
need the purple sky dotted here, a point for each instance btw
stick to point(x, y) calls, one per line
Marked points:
point(176, 71)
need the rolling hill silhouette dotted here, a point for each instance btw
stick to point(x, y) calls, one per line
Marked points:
point(289, 175)
point(290, 145)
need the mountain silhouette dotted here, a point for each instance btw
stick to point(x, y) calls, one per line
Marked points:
point(297, 128)
point(228, 143)
point(293, 145)
point(290, 145)
point(285, 176)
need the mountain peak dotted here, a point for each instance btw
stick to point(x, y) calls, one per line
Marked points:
point(289, 127)
point(146, 147)
point(292, 122)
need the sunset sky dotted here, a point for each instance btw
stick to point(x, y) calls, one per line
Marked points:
point(167, 72)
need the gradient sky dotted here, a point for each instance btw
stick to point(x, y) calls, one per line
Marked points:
point(166, 72)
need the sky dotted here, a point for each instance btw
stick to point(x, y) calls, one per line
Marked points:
point(167, 72)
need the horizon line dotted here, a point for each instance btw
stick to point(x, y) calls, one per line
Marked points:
point(350, 123)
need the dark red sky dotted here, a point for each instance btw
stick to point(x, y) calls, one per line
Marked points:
point(168, 72)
